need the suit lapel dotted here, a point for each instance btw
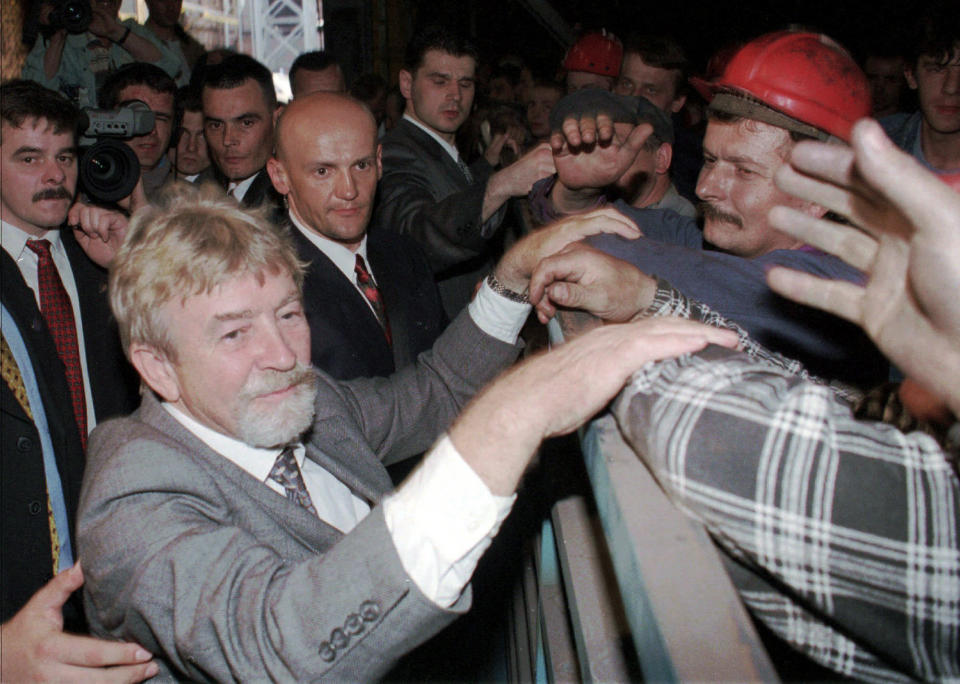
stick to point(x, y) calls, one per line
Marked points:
point(338, 445)
point(306, 528)
point(331, 297)
point(368, 480)
point(50, 375)
point(113, 381)
point(432, 149)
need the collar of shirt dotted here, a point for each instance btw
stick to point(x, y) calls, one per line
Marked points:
point(239, 188)
point(258, 462)
point(342, 257)
point(450, 149)
point(14, 241)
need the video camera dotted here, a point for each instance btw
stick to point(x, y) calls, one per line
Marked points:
point(109, 169)
point(72, 15)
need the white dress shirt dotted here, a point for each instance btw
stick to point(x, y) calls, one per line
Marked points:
point(14, 241)
point(450, 149)
point(238, 189)
point(441, 518)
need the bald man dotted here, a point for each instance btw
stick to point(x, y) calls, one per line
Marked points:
point(370, 299)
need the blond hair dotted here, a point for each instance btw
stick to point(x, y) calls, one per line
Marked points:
point(191, 241)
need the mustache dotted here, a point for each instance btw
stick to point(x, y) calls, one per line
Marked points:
point(711, 212)
point(56, 193)
point(274, 381)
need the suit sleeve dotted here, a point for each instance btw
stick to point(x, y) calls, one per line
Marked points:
point(449, 229)
point(402, 415)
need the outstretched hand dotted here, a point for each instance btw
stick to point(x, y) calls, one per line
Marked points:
point(34, 647)
point(557, 392)
point(600, 164)
point(584, 278)
point(583, 130)
point(906, 239)
point(517, 265)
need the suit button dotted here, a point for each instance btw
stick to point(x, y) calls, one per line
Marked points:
point(327, 654)
point(353, 625)
point(369, 611)
point(338, 639)
point(34, 507)
point(24, 444)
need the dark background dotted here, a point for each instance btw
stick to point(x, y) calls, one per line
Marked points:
point(701, 27)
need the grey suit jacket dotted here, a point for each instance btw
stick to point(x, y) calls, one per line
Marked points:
point(224, 579)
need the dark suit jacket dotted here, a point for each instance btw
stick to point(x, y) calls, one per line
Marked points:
point(425, 195)
point(25, 534)
point(260, 192)
point(222, 578)
point(346, 340)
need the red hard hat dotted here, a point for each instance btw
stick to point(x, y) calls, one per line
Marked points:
point(595, 53)
point(806, 76)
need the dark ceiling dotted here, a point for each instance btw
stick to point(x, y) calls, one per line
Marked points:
point(506, 26)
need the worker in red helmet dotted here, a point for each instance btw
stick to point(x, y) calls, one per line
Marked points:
point(593, 61)
point(777, 89)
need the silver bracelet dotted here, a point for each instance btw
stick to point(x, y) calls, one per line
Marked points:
point(503, 291)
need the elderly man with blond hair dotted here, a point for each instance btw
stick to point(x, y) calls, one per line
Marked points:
point(241, 524)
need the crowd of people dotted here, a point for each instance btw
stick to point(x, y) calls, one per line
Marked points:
point(204, 382)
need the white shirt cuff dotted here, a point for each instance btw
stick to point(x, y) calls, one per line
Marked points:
point(442, 518)
point(498, 316)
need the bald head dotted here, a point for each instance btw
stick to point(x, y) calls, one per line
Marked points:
point(322, 112)
point(327, 165)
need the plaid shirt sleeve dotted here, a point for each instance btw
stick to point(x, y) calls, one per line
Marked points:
point(841, 535)
point(669, 301)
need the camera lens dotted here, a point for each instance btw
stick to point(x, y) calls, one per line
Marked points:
point(75, 15)
point(109, 171)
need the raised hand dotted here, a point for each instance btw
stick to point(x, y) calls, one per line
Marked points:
point(517, 265)
point(557, 392)
point(583, 278)
point(906, 238)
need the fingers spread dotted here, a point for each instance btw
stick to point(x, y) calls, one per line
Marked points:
point(835, 296)
point(931, 204)
point(850, 244)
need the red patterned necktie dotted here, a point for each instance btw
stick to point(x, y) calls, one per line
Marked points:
point(58, 313)
point(372, 293)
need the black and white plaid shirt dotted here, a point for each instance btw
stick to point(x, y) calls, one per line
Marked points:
point(842, 536)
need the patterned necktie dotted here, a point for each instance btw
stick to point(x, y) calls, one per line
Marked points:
point(11, 375)
point(58, 313)
point(466, 170)
point(286, 472)
point(369, 288)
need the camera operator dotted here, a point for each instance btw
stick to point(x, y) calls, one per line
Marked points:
point(152, 86)
point(76, 60)
point(63, 372)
